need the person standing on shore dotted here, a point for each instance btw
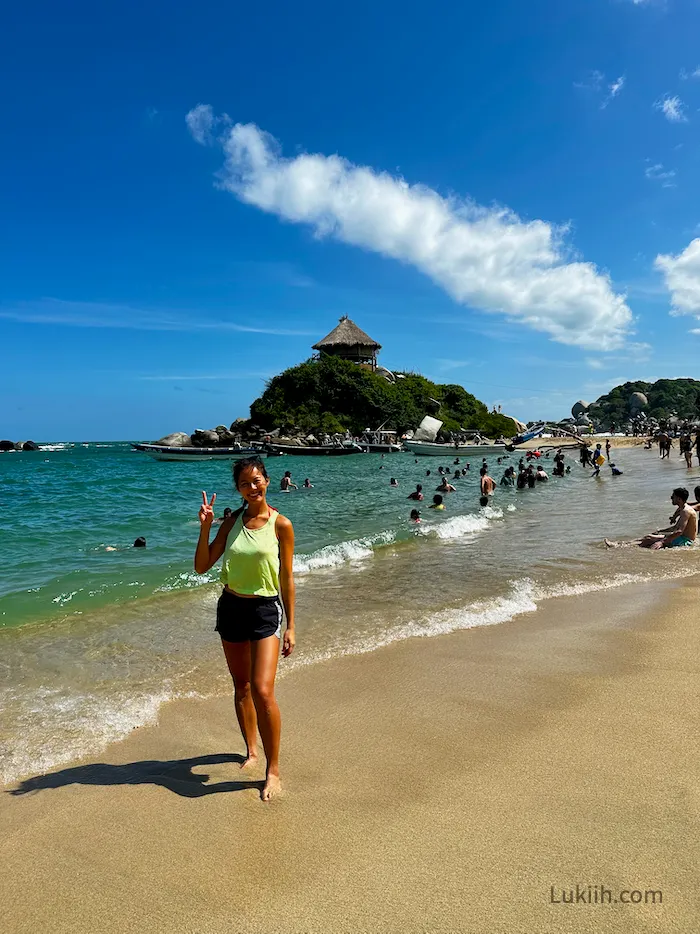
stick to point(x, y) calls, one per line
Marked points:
point(257, 545)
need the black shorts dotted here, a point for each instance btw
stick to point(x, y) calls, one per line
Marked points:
point(248, 619)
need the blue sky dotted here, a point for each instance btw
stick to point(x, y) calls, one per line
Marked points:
point(504, 195)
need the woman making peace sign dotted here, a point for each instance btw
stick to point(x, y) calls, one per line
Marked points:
point(257, 545)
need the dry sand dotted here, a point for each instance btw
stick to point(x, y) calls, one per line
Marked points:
point(435, 785)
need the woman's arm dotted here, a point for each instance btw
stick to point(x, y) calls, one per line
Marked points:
point(285, 535)
point(206, 555)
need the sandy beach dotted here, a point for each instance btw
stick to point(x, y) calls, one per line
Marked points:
point(441, 784)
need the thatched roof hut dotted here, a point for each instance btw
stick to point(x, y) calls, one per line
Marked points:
point(348, 341)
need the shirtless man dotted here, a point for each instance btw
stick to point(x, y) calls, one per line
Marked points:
point(445, 486)
point(286, 482)
point(488, 484)
point(684, 531)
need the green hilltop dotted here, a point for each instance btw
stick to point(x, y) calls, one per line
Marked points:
point(666, 398)
point(332, 394)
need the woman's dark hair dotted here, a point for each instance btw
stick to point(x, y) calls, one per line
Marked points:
point(437, 499)
point(244, 464)
point(483, 501)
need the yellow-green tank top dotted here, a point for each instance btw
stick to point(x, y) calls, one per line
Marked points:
point(251, 560)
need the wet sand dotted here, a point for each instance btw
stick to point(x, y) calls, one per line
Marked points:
point(441, 784)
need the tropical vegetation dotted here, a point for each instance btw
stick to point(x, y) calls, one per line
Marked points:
point(331, 394)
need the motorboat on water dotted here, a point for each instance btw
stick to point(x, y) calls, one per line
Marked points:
point(424, 443)
point(164, 452)
point(311, 450)
point(380, 441)
point(448, 449)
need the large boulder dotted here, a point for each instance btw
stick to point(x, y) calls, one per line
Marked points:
point(26, 446)
point(638, 401)
point(178, 439)
point(7, 446)
point(204, 438)
point(578, 408)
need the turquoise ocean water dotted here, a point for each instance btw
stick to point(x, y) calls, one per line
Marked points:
point(93, 641)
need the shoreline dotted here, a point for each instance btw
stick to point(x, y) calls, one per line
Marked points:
point(555, 748)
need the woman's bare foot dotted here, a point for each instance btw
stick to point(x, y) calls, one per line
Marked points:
point(250, 759)
point(272, 787)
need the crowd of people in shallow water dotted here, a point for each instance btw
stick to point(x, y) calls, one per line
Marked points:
point(530, 472)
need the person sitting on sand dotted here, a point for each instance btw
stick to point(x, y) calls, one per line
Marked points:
point(487, 484)
point(417, 493)
point(683, 532)
point(415, 515)
point(286, 482)
point(541, 474)
point(257, 545)
point(437, 502)
point(445, 486)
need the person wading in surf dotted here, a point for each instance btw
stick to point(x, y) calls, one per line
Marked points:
point(257, 545)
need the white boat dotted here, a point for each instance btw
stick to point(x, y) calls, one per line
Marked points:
point(442, 449)
point(163, 452)
point(423, 442)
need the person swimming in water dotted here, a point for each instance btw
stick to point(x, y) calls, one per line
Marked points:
point(487, 484)
point(437, 502)
point(393, 482)
point(415, 515)
point(417, 493)
point(286, 482)
point(307, 484)
point(445, 486)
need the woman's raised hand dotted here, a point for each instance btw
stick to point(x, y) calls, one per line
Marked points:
point(206, 510)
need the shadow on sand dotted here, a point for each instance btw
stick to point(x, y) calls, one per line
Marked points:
point(176, 775)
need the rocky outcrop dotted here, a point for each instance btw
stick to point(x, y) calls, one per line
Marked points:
point(178, 439)
point(203, 438)
point(18, 446)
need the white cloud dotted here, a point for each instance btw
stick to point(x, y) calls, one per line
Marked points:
point(592, 82)
point(682, 277)
point(487, 258)
point(613, 90)
point(657, 173)
point(101, 315)
point(686, 75)
point(200, 122)
point(595, 364)
point(672, 108)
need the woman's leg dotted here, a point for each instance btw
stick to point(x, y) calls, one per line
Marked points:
point(265, 654)
point(238, 659)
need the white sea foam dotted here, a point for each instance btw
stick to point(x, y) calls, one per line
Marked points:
point(55, 447)
point(331, 556)
point(461, 526)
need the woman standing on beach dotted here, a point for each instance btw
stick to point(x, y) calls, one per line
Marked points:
point(257, 545)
